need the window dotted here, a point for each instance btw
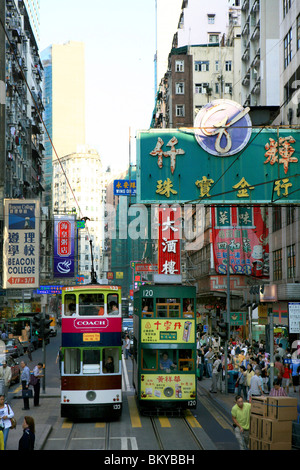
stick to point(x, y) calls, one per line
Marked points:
point(276, 218)
point(72, 361)
point(180, 110)
point(228, 88)
point(201, 87)
point(91, 361)
point(288, 48)
point(168, 308)
point(201, 65)
point(110, 361)
point(286, 6)
point(179, 66)
point(213, 38)
point(91, 304)
point(112, 304)
point(291, 262)
point(290, 214)
point(211, 19)
point(298, 31)
point(217, 66)
point(228, 65)
point(217, 88)
point(70, 305)
point(179, 88)
point(277, 265)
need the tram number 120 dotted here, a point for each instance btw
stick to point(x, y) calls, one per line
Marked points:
point(148, 293)
point(191, 403)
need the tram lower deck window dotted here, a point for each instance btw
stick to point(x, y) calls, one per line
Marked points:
point(91, 361)
point(110, 360)
point(72, 361)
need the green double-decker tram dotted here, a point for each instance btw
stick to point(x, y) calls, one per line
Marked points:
point(164, 349)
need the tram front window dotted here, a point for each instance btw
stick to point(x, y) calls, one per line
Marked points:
point(168, 308)
point(72, 361)
point(70, 305)
point(91, 304)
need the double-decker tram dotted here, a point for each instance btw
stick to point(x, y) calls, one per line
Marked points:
point(91, 373)
point(164, 364)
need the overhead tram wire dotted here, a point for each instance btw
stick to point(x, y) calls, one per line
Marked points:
point(42, 120)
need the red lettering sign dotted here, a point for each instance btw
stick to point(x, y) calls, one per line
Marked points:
point(64, 238)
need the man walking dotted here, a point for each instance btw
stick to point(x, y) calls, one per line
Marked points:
point(216, 374)
point(240, 413)
point(5, 377)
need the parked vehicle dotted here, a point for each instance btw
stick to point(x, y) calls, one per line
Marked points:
point(14, 347)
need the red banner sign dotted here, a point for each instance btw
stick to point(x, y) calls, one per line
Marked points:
point(169, 235)
point(64, 238)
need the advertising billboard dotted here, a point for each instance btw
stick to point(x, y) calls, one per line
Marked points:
point(21, 247)
point(64, 246)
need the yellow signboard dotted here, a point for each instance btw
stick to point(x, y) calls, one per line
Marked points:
point(168, 387)
point(167, 330)
point(87, 337)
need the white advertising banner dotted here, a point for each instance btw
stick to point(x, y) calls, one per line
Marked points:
point(21, 247)
point(294, 317)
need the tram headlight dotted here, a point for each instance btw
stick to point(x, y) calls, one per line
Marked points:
point(91, 396)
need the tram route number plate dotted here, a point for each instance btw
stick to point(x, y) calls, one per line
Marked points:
point(91, 337)
point(168, 335)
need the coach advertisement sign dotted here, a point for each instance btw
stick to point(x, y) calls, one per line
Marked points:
point(222, 159)
point(21, 247)
point(64, 246)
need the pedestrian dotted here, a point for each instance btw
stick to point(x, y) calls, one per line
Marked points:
point(216, 374)
point(200, 364)
point(25, 379)
point(241, 382)
point(6, 413)
point(256, 389)
point(59, 359)
point(37, 375)
point(30, 348)
point(28, 438)
point(277, 390)
point(240, 413)
point(127, 347)
point(278, 368)
point(287, 377)
point(209, 359)
point(5, 377)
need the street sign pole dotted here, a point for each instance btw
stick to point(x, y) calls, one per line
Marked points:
point(271, 323)
point(227, 320)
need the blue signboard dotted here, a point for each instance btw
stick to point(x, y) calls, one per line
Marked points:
point(222, 160)
point(124, 187)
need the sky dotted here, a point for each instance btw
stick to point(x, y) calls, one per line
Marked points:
point(119, 37)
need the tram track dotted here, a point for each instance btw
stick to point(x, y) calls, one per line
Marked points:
point(181, 431)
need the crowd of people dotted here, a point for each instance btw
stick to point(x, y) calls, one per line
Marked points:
point(250, 364)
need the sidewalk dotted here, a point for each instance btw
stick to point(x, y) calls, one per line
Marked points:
point(49, 402)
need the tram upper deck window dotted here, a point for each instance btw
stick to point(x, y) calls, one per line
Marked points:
point(188, 308)
point(91, 361)
point(91, 304)
point(168, 308)
point(113, 304)
point(147, 309)
point(72, 361)
point(186, 360)
point(70, 305)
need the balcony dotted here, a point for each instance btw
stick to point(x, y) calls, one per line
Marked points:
point(256, 33)
point(246, 79)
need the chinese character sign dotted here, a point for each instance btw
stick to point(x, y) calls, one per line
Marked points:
point(221, 160)
point(169, 235)
point(21, 249)
point(168, 330)
point(64, 246)
point(245, 231)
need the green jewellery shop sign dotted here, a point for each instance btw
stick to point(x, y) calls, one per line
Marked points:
point(221, 160)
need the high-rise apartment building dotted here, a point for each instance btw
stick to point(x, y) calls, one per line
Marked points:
point(64, 96)
point(260, 53)
point(33, 9)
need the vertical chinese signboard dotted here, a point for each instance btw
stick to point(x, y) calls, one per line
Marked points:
point(64, 246)
point(21, 243)
point(169, 235)
point(246, 232)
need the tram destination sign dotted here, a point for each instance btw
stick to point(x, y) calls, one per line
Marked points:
point(223, 159)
